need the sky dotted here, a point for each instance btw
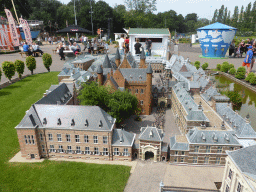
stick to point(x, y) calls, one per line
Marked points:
point(203, 8)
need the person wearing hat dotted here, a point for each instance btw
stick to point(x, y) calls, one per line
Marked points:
point(248, 59)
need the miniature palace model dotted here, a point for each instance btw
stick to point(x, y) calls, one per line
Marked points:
point(56, 126)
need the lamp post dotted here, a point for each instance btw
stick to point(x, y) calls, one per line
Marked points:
point(75, 17)
point(91, 17)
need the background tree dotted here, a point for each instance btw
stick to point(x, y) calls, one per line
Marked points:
point(47, 60)
point(144, 6)
point(215, 16)
point(8, 69)
point(235, 17)
point(19, 67)
point(221, 14)
point(31, 63)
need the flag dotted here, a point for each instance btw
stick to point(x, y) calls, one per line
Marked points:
point(26, 30)
point(12, 26)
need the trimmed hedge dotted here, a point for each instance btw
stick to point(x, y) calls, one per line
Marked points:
point(232, 71)
point(250, 75)
point(240, 74)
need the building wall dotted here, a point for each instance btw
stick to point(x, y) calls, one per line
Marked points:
point(60, 78)
point(152, 144)
point(214, 157)
point(42, 144)
point(84, 66)
point(236, 178)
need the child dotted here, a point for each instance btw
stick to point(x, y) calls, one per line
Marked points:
point(248, 59)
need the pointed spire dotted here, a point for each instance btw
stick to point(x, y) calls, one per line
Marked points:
point(106, 63)
point(99, 69)
point(149, 69)
point(117, 57)
point(142, 55)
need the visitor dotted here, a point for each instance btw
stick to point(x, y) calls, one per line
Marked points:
point(248, 59)
point(137, 47)
point(61, 51)
point(232, 48)
point(242, 48)
point(26, 49)
point(77, 48)
point(121, 44)
point(85, 42)
point(50, 40)
point(36, 49)
point(126, 42)
point(254, 54)
point(148, 45)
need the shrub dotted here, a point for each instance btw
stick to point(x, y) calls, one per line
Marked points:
point(232, 71)
point(253, 80)
point(31, 63)
point(240, 74)
point(8, 69)
point(218, 67)
point(250, 75)
point(47, 60)
point(197, 63)
point(19, 67)
point(197, 66)
point(235, 97)
point(224, 67)
point(231, 66)
point(205, 65)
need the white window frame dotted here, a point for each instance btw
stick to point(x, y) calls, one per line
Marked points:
point(43, 148)
point(26, 140)
point(105, 139)
point(126, 151)
point(77, 138)
point(96, 151)
point(86, 138)
point(195, 159)
point(230, 174)
point(182, 159)
point(32, 139)
point(182, 152)
point(227, 189)
point(239, 189)
point(116, 151)
point(41, 137)
point(68, 139)
point(61, 149)
point(206, 160)
point(208, 149)
point(217, 160)
point(51, 148)
point(141, 102)
point(142, 91)
point(105, 151)
point(87, 151)
point(29, 140)
point(59, 137)
point(176, 153)
point(136, 91)
point(50, 138)
point(219, 149)
point(95, 139)
point(69, 149)
point(196, 149)
point(78, 150)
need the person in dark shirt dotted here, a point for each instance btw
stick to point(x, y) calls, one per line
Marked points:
point(126, 42)
point(148, 44)
point(137, 47)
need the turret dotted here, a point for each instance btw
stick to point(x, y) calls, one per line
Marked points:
point(100, 75)
point(148, 93)
point(117, 57)
point(106, 63)
point(142, 59)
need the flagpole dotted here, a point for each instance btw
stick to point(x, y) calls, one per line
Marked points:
point(15, 13)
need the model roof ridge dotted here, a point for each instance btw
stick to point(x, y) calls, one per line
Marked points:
point(117, 56)
point(106, 63)
point(142, 55)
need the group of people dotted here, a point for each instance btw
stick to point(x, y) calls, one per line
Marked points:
point(75, 47)
point(124, 46)
point(242, 47)
point(32, 49)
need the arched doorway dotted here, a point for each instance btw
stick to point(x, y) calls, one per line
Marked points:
point(149, 155)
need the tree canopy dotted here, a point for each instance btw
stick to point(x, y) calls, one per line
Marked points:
point(119, 104)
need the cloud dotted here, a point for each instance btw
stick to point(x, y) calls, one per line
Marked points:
point(214, 34)
point(205, 40)
point(228, 36)
point(201, 34)
point(216, 40)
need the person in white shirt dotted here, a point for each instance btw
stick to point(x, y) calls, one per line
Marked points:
point(85, 42)
point(36, 48)
point(121, 44)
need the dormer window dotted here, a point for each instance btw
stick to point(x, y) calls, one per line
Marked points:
point(214, 137)
point(227, 137)
point(86, 123)
point(121, 138)
point(59, 121)
point(140, 77)
point(151, 133)
point(66, 95)
point(100, 124)
point(130, 76)
point(44, 121)
point(203, 137)
point(62, 99)
point(69, 93)
point(73, 122)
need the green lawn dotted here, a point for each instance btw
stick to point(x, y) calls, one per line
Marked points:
point(48, 175)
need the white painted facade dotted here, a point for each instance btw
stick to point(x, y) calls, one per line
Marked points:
point(157, 48)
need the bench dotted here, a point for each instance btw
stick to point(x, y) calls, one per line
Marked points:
point(37, 53)
point(23, 53)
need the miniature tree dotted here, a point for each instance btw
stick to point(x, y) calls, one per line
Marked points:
point(218, 67)
point(205, 65)
point(0, 74)
point(19, 67)
point(240, 74)
point(8, 69)
point(231, 66)
point(47, 60)
point(31, 63)
point(197, 64)
point(232, 71)
point(250, 75)
point(224, 67)
point(253, 80)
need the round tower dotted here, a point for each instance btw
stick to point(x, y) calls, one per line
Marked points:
point(100, 75)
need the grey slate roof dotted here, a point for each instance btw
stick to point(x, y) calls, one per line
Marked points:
point(122, 138)
point(130, 59)
point(93, 116)
point(239, 125)
point(106, 63)
point(61, 94)
point(209, 93)
point(142, 55)
point(196, 136)
point(99, 69)
point(178, 146)
point(245, 159)
point(149, 69)
point(67, 71)
point(117, 54)
point(197, 115)
point(134, 74)
point(151, 134)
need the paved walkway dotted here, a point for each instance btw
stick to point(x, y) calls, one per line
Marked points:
point(57, 64)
